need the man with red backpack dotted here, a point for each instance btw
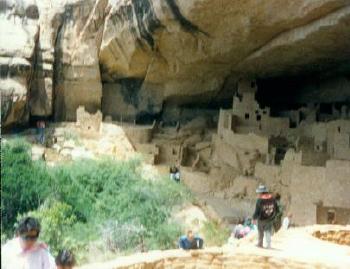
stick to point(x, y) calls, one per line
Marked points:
point(265, 211)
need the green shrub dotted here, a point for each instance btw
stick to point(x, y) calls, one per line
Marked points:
point(165, 236)
point(215, 234)
point(3, 238)
point(56, 218)
point(105, 203)
point(25, 184)
point(71, 135)
point(122, 236)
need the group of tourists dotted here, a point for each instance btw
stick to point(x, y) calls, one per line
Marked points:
point(25, 251)
point(267, 217)
point(266, 220)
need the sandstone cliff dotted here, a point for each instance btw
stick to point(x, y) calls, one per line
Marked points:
point(133, 57)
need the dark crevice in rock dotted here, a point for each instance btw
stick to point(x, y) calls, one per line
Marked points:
point(185, 23)
point(57, 99)
point(292, 93)
point(223, 97)
point(32, 12)
point(147, 118)
point(6, 105)
point(9, 70)
point(147, 21)
point(130, 90)
point(37, 64)
point(143, 13)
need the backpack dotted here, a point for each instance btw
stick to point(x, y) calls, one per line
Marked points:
point(268, 208)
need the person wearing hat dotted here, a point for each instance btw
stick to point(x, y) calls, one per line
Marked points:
point(265, 212)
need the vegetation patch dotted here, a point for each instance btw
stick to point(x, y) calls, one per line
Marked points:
point(90, 206)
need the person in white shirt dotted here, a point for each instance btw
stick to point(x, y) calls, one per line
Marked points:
point(286, 222)
point(24, 251)
point(174, 173)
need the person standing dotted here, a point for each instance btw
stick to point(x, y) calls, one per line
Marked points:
point(265, 211)
point(41, 131)
point(174, 173)
point(24, 251)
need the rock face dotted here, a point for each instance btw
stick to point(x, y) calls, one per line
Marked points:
point(140, 56)
point(19, 34)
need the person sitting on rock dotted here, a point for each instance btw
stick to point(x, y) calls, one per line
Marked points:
point(174, 173)
point(190, 241)
point(265, 211)
point(24, 251)
point(65, 259)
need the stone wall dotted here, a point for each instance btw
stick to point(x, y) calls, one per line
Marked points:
point(338, 237)
point(88, 122)
point(208, 259)
point(313, 186)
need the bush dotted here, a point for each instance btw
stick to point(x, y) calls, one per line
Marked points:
point(56, 218)
point(3, 238)
point(215, 234)
point(71, 135)
point(105, 202)
point(25, 184)
point(122, 236)
point(165, 236)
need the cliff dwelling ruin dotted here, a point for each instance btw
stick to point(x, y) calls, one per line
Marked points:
point(172, 79)
point(304, 154)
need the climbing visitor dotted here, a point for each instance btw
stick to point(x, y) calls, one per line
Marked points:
point(244, 228)
point(190, 241)
point(24, 251)
point(65, 259)
point(238, 230)
point(40, 125)
point(277, 223)
point(174, 173)
point(265, 212)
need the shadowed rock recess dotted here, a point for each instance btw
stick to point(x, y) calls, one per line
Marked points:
point(137, 59)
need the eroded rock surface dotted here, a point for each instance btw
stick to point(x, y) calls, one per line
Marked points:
point(143, 55)
point(295, 248)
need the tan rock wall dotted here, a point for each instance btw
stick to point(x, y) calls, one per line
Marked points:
point(312, 186)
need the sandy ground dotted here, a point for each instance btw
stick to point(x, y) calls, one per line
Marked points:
point(293, 247)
